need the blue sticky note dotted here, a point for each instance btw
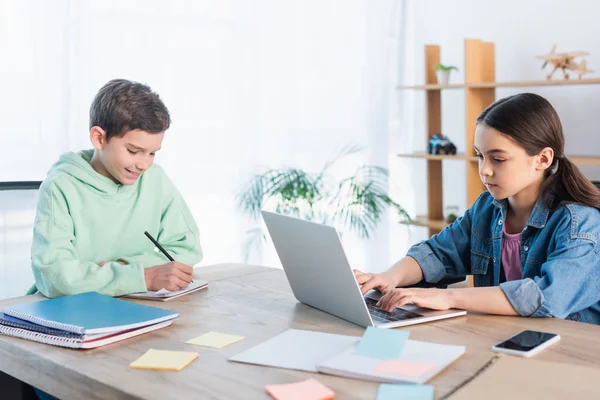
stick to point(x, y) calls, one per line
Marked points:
point(405, 392)
point(383, 344)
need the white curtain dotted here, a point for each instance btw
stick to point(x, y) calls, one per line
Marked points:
point(249, 84)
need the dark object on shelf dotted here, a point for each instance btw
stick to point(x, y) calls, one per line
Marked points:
point(451, 218)
point(439, 144)
point(596, 183)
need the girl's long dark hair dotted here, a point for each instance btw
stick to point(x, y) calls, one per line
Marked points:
point(532, 122)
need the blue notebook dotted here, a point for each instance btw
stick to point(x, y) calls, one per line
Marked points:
point(89, 313)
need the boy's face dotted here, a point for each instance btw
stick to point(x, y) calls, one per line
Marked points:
point(504, 166)
point(124, 159)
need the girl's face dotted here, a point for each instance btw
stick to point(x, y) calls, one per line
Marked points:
point(505, 168)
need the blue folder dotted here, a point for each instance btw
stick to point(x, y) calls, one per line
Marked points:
point(89, 313)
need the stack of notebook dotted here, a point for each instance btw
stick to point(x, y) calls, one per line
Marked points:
point(82, 321)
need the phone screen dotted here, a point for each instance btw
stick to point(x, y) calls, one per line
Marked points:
point(526, 340)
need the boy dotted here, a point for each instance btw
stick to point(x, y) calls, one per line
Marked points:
point(95, 205)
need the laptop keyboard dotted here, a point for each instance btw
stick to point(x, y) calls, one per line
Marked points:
point(381, 316)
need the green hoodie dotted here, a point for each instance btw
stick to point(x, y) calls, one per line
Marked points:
point(84, 218)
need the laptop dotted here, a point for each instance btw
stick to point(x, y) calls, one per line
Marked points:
point(320, 276)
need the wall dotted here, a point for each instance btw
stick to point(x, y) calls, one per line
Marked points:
point(250, 85)
point(520, 30)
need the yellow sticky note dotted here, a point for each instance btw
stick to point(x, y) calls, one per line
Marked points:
point(310, 389)
point(164, 360)
point(215, 340)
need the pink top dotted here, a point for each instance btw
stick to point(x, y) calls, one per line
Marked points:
point(511, 256)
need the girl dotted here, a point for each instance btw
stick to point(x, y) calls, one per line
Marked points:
point(530, 240)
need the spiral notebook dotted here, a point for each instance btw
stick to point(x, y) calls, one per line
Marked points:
point(83, 342)
point(89, 313)
point(12, 322)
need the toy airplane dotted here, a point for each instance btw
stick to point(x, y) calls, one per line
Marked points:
point(565, 61)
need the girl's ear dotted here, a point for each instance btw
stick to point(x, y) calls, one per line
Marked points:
point(97, 137)
point(545, 158)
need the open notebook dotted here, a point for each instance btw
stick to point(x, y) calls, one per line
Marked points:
point(335, 354)
point(165, 295)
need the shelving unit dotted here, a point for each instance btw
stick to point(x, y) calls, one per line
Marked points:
point(480, 91)
point(481, 85)
point(577, 160)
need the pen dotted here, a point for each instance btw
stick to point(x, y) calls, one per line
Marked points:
point(160, 247)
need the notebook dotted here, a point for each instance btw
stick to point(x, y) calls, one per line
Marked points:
point(419, 362)
point(12, 322)
point(89, 313)
point(335, 355)
point(165, 295)
point(296, 349)
point(506, 377)
point(85, 342)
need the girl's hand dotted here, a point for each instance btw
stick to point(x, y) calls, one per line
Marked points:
point(382, 282)
point(436, 299)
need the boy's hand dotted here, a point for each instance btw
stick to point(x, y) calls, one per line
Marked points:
point(171, 276)
point(436, 299)
point(382, 282)
point(101, 264)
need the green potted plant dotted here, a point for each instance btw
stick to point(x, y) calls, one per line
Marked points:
point(354, 204)
point(443, 72)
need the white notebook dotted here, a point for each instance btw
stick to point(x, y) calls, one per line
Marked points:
point(296, 349)
point(165, 295)
point(86, 342)
point(351, 365)
point(334, 354)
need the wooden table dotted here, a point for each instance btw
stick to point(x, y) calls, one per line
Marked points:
point(256, 302)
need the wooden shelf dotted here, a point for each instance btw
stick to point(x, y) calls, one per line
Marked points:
point(489, 85)
point(584, 160)
point(577, 160)
point(433, 86)
point(422, 220)
point(422, 154)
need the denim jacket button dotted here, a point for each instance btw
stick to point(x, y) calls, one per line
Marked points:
point(525, 248)
point(494, 259)
point(499, 222)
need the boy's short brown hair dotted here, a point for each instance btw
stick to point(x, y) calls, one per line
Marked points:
point(121, 106)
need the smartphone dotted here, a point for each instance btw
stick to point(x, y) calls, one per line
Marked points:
point(526, 343)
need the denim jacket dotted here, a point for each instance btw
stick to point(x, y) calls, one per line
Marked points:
point(560, 254)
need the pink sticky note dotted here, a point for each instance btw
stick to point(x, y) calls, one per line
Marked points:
point(306, 390)
point(402, 368)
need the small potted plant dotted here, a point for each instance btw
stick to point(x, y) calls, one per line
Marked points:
point(443, 72)
point(451, 214)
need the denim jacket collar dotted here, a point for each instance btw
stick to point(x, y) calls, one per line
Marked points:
point(539, 215)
